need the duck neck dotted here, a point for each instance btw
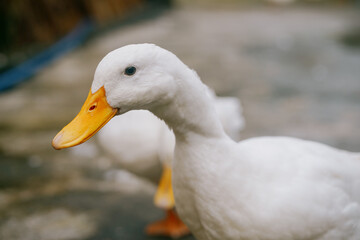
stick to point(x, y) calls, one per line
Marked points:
point(191, 110)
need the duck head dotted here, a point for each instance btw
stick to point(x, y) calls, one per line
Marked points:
point(139, 76)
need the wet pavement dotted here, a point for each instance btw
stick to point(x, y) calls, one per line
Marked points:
point(292, 67)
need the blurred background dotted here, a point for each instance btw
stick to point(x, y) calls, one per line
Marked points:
point(295, 66)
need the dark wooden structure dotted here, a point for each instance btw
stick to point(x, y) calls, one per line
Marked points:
point(27, 26)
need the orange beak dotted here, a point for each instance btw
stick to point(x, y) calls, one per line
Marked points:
point(94, 114)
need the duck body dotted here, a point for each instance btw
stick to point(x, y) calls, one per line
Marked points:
point(294, 189)
point(267, 188)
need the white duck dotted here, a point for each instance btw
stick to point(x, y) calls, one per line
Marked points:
point(273, 188)
point(139, 142)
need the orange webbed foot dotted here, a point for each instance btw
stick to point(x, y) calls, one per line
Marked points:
point(171, 226)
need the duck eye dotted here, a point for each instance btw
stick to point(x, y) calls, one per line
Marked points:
point(130, 70)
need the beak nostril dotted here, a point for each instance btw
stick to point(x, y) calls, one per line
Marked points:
point(92, 107)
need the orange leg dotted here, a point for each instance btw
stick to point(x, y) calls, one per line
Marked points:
point(171, 226)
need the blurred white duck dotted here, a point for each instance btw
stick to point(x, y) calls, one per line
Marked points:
point(138, 140)
point(273, 188)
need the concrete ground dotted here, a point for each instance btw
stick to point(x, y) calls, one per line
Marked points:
point(292, 67)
